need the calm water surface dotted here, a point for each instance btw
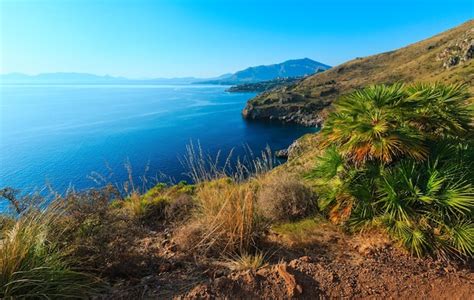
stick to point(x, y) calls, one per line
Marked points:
point(59, 135)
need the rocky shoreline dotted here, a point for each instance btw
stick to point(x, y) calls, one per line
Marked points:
point(285, 114)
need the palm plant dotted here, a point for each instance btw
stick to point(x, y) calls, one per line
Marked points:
point(385, 123)
point(441, 111)
point(428, 206)
point(395, 157)
point(367, 125)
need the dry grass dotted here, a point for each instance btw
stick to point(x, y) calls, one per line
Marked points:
point(34, 263)
point(134, 205)
point(226, 219)
point(246, 261)
point(203, 167)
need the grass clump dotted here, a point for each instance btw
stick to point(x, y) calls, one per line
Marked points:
point(397, 157)
point(35, 264)
point(244, 262)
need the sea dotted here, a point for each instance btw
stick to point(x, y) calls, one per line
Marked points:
point(83, 136)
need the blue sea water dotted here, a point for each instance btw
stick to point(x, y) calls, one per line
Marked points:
point(59, 135)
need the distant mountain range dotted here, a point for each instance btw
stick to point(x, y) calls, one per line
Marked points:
point(290, 68)
point(84, 78)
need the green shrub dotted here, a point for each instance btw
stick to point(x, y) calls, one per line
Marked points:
point(160, 203)
point(384, 123)
point(395, 158)
point(428, 206)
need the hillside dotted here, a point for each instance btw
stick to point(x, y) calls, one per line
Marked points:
point(445, 57)
point(289, 68)
point(264, 86)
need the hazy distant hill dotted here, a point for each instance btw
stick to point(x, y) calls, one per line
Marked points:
point(289, 68)
point(85, 78)
point(446, 57)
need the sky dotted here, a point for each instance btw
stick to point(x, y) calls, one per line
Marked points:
point(205, 38)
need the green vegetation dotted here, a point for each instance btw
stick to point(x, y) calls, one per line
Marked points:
point(34, 263)
point(298, 228)
point(263, 86)
point(400, 157)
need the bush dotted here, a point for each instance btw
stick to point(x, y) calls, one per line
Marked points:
point(285, 199)
point(244, 262)
point(160, 203)
point(180, 208)
point(428, 207)
point(101, 237)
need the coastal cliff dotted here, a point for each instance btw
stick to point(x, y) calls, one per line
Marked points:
point(446, 57)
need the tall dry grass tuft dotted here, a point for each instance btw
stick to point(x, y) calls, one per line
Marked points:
point(34, 262)
point(226, 219)
point(204, 167)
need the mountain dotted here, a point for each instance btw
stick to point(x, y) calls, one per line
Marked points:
point(446, 57)
point(289, 68)
point(85, 78)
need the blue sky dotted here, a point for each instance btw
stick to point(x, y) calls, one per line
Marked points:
point(141, 39)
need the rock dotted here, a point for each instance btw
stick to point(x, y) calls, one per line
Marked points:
point(284, 109)
point(291, 151)
point(469, 54)
point(282, 153)
point(458, 51)
point(292, 286)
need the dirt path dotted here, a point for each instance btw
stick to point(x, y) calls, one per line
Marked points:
point(318, 262)
point(330, 264)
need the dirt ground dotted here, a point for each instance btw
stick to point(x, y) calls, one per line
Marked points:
point(323, 263)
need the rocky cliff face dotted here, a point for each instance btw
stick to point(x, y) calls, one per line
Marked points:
point(459, 51)
point(285, 107)
point(446, 57)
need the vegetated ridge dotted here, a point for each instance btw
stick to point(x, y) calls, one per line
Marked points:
point(263, 86)
point(446, 57)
